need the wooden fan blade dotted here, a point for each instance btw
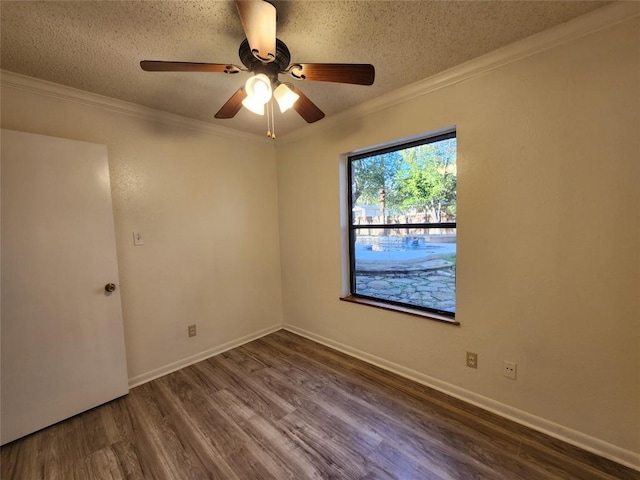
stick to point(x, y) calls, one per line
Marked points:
point(161, 66)
point(355, 73)
point(233, 105)
point(305, 107)
point(259, 23)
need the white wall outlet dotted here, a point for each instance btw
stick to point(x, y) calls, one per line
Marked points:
point(138, 239)
point(192, 330)
point(510, 369)
point(472, 360)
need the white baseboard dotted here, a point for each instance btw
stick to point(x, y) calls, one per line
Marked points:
point(573, 437)
point(198, 357)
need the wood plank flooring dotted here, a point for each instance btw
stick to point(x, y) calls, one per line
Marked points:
point(283, 407)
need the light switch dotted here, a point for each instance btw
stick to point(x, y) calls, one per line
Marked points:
point(138, 239)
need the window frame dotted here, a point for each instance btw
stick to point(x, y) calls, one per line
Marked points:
point(352, 228)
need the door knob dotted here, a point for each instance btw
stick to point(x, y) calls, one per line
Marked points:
point(110, 287)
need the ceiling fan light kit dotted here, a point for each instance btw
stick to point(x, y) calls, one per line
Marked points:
point(266, 57)
point(285, 97)
point(258, 88)
point(253, 105)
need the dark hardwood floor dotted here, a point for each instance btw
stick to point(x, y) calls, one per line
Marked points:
point(284, 407)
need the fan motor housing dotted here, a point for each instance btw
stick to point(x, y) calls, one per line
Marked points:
point(283, 57)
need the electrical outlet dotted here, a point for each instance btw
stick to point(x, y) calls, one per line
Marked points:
point(472, 360)
point(510, 369)
point(192, 330)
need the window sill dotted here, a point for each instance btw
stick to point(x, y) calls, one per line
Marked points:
point(396, 308)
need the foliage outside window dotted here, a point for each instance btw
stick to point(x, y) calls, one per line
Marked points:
point(402, 233)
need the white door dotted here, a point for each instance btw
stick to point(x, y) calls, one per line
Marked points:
point(62, 333)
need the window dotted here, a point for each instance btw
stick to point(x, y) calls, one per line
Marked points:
point(402, 232)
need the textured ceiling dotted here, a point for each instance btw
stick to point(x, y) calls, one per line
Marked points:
point(96, 46)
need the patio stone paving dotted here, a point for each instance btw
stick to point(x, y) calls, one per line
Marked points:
point(434, 288)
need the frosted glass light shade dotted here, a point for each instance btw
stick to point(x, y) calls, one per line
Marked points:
point(251, 104)
point(285, 97)
point(258, 88)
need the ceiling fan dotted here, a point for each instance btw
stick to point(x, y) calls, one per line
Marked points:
point(266, 57)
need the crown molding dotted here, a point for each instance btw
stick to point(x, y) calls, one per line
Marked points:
point(573, 29)
point(569, 31)
point(60, 92)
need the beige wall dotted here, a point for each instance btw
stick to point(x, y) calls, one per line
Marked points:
point(207, 206)
point(548, 238)
point(549, 216)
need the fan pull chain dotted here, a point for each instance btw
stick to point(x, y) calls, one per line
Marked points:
point(271, 129)
point(273, 121)
point(268, 112)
